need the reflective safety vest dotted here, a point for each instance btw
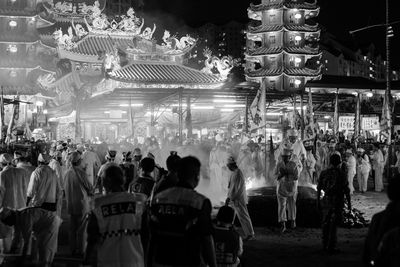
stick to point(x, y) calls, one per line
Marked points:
point(143, 185)
point(226, 241)
point(175, 233)
point(119, 217)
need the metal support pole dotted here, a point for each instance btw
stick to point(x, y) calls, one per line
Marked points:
point(189, 118)
point(302, 116)
point(180, 112)
point(388, 91)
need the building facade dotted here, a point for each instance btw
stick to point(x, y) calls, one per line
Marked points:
point(340, 60)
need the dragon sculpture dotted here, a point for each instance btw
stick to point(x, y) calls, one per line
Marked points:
point(172, 43)
point(223, 65)
point(79, 30)
point(46, 80)
point(64, 40)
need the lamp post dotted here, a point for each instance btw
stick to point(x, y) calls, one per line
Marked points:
point(388, 94)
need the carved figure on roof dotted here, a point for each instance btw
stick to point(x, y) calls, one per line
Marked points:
point(174, 44)
point(79, 30)
point(112, 61)
point(223, 65)
point(63, 7)
point(101, 22)
point(64, 40)
point(131, 23)
point(46, 80)
point(148, 33)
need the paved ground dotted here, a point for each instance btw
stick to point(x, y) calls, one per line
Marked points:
point(300, 247)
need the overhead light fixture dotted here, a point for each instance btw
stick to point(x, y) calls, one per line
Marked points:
point(39, 103)
point(12, 23)
point(224, 101)
point(12, 48)
point(297, 82)
point(327, 117)
point(132, 105)
point(370, 94)
point(224, 96)
point(234, 106)
point(177, 105)
point(203, 107)
point(297, 60)
point(297, 16)
point(227, 110)
point(297, 38)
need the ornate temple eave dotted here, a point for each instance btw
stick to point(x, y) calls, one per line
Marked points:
point(288, 5)
point(257, 32)
point(27, 68)
point(21, 13)
point(264, 28)
point(264, 72)
point(303, 28)
point(262, 51)
point(294, 72)
point(78, 56)
point(169, 85)
point(303, 72)
point(165, 75)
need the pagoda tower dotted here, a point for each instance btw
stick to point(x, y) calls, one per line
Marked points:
point(282, 49)
point(24, 57)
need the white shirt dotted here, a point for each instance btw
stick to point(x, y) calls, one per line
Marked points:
point(43, 186)
point(378, 161)
point(91, 164)
point(351, 164)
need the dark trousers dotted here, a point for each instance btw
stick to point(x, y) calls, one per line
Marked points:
point(331, 218)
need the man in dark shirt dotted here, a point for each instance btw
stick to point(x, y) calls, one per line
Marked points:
point(180, 222)
point(171, 179)
point(145, 183)
point(335, 187)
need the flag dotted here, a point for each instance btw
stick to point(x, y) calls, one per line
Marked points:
point(357, 118)
point(11, 124)
point(386, 120)
point(257, 109)
point(336, 115)
point(310, 128)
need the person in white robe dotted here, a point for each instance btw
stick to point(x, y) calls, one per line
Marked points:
point(90, 163)
point(351, 169)
point(237, 198)
point(363, 169)
point(378, 164)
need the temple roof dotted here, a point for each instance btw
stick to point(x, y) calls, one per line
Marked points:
point(287, 4)
point(142, 72)
point(264, 72)
point(277, 50)
point(302, 28)
point(277, 28)
point(24, 64)
point(10, 12)
point(92, 44)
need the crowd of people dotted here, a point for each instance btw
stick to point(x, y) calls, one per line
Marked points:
point(125, 209)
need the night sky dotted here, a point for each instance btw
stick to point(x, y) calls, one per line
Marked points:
point(338, 16)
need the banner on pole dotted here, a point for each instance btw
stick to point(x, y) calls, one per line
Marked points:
point(257, 109)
